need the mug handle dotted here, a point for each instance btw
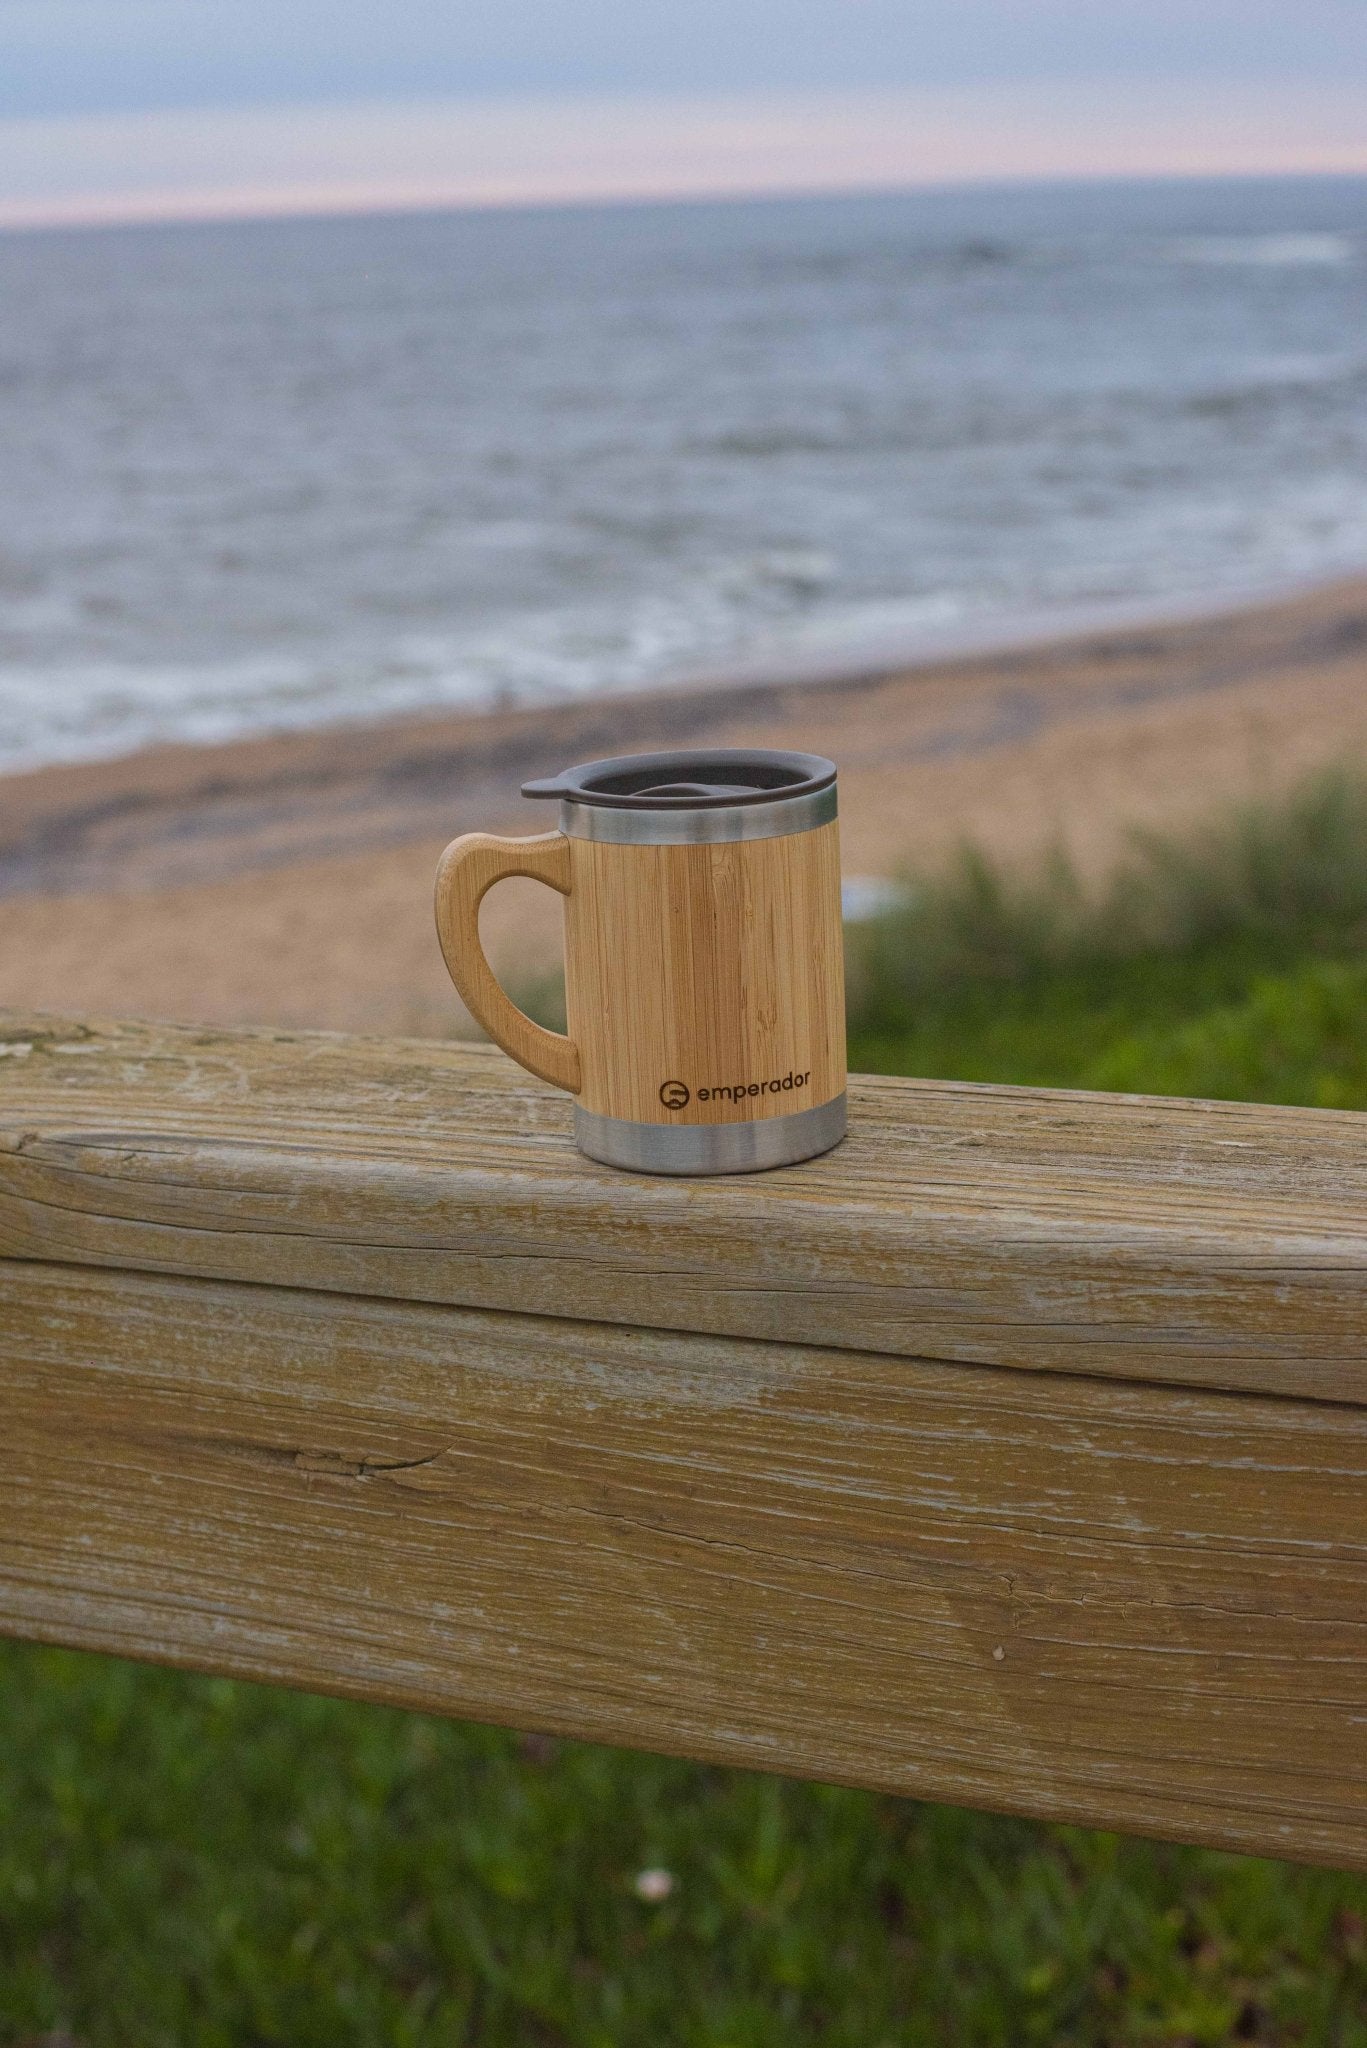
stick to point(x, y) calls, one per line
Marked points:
point(466, 871)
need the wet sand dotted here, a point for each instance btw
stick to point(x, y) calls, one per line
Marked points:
point(288, 880)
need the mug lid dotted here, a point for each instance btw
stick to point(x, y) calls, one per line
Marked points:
point(705, 779)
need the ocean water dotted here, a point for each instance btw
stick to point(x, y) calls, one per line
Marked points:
point(269, 475)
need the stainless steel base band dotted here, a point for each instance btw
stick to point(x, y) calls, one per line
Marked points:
point(773, 820)
point(710, 1148)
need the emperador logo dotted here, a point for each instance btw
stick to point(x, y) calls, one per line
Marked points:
point(678, 1094)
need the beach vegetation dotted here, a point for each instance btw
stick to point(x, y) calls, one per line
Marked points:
point(1224, 962)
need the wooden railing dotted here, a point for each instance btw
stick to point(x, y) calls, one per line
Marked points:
point(1012, 1454)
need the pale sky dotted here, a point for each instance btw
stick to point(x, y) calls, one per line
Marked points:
point(116, 109)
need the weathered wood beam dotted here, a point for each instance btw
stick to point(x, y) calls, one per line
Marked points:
point(1127, 1605)
point(1205, 1244)
point(331, 1363)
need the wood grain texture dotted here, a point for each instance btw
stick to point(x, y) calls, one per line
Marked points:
point(1214, 1244)
point(1119, 1605)
point(718, 966)
point(466, 872)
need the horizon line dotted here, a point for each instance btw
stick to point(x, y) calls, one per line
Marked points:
point(365, 158)
point(228, 210)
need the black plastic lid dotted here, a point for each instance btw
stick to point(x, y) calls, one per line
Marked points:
point(703, 780)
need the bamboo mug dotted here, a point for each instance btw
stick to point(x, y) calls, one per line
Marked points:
point(704, 975)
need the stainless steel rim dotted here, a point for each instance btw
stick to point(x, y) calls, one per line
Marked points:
point(710, 1148)
point(702, 827)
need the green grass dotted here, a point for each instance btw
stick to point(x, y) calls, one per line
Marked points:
point(1299, 1037)
point(186, 1861)
point(989, 976)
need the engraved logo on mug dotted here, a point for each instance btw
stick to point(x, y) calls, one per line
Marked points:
point(678, 1095)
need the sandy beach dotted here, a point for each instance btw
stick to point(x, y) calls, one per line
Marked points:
point(287, 879)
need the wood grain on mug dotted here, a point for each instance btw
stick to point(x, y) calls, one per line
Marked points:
point(717, 967)
point(704, 984)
